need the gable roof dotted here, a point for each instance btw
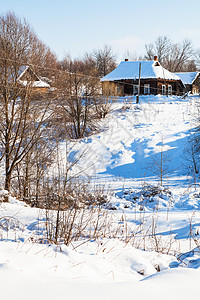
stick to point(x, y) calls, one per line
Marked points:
point(188, 77)
point(38, 83)
point(149, 70)
point(23, 70)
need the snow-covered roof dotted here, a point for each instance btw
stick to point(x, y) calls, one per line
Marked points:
point(130, 70)
point(188, 77)
point(39, 83)
point(36, 83)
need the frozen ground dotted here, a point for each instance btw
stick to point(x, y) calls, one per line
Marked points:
point(160, 226)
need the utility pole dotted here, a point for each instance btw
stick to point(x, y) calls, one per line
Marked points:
point(138, 95)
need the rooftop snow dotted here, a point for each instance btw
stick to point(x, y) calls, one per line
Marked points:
point(130, 70)
point(187, 77)
point(36, 84)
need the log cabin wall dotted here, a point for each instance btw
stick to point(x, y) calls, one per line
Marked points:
point(196, 86)
point(128, 87)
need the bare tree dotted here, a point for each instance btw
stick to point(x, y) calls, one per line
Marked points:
point(78, 85)
point(79, 91)
point(160, 48)
point(179, 56)
point(197, 58)
point(32, 171)
point(191, 155)
point(105, 60)
point(192, 148)
point(81, 76)
point(103, 105)
point(175, 57)
point(159, 164)
point(43, 60)
point(21, 120)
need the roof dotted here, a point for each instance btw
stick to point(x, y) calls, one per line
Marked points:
point(22, 71)
point(188, 77)
point(39, 83)
point(36, 83)
point(130, 70)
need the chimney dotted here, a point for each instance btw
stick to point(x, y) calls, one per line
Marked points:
point(156, 58)
point(126, 59)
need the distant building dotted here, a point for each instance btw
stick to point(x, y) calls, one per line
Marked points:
point(154, 79)
point(28, 77)
point(191, 81)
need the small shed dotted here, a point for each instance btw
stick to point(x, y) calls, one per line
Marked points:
point(191, 81)
point(28, 77)
point(154, 79)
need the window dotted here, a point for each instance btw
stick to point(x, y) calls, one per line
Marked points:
point(163, 89)
point(135, 89)
point(169, 90)
point(118, 90)
point(194, 91)
point(146, 89)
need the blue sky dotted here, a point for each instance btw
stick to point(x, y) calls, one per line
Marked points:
point(74, 27)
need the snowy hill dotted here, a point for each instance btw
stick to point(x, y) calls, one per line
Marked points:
point(133, 138)
point(144, 243)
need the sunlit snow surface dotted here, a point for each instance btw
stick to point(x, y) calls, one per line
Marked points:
point(149, 69)
point(131, 140)
point(122, 157)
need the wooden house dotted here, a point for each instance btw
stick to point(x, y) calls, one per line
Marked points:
point(154, 79)
point(28, 77)
point(191, 81)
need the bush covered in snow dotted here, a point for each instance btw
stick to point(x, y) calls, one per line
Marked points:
point(150, 196)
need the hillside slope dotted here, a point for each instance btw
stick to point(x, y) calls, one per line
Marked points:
point(148, 243)
point(133, 137)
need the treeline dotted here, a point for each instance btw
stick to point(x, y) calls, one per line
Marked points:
point(175, 57)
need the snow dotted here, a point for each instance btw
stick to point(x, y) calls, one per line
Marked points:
point(188, 77)
point(135, 134)
point(152, 249)
point(102, 270)
point(130, 70)
point(36, 84)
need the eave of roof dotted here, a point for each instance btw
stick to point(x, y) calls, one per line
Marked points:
point(130, 70)
point(188, 77)
point(35, 84)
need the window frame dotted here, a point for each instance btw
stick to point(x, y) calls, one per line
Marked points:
point(164, 90)
point(169, 89)
point(147, 87)
point(135, 89)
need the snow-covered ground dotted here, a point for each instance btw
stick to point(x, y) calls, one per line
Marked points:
point(152, 251)
point(133, 137)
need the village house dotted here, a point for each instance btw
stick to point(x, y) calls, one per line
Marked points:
point(28, 77)
point(191, 81)
point(154, 79)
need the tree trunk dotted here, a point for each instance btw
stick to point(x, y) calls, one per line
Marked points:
point(7, 185)
point(8, 171)
point(26, 180)
point(7, 181)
